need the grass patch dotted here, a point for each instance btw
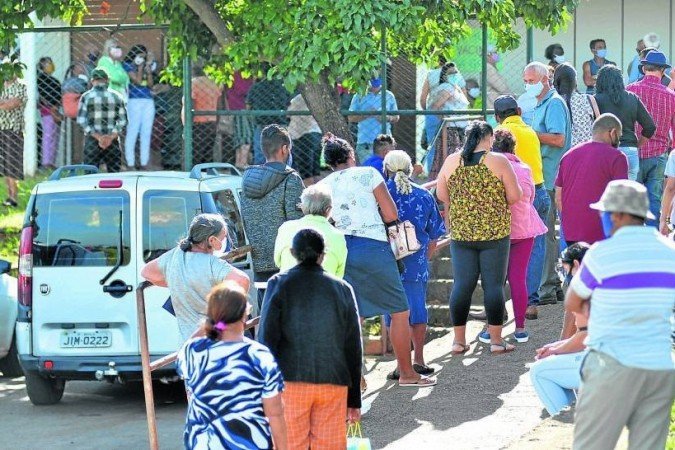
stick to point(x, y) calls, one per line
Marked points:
point(11, 219)
point(670, 443)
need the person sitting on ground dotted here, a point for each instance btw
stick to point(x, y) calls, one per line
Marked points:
point(477, 186)
point(382, 145)
point(361, 207)
point(570, 258)
point(555, 374)
point(417, 205)
point(191, 269)
point(311, 325)
point(526, 225)
point(234, 384)
point(316, 204)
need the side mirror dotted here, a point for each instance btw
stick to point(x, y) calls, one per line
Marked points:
point(5, 266)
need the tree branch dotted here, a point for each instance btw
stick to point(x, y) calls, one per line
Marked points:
point(210, 17)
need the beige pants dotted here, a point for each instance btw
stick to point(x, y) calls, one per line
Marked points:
point(613, 396)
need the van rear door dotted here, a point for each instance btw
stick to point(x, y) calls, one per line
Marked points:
point(166, 217)
point(83, 271)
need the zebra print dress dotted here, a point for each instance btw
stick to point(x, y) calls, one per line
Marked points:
point(227, 382)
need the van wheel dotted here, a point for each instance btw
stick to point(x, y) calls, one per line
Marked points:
point(9, 365)
point(44, 391)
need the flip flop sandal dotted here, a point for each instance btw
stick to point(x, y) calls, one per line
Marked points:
point(465, 348)
point(422, 382)
point(393, 375)
point(423, 369)
point(504, 348)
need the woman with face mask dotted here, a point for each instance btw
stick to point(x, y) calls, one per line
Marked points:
point(192, 268)
point(111, 62)
point(555, 55)
point(582, 107)
point(49, 102)
point(141, 106)
point(555, 374)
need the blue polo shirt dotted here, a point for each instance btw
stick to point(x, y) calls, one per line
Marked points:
point(552, 116)
point(630, 282)
point(376, 162)
point(369, 129)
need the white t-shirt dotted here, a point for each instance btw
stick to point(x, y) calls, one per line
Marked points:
point(355, 210)
point(670, 173)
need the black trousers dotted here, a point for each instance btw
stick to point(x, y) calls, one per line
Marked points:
point(487, 259)
point(95, 155)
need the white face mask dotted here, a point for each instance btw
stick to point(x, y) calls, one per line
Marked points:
point(83, 77)
point(559, 59)
point(535, 89)
point(139, 60)
point(474, 92)
point(116, 53)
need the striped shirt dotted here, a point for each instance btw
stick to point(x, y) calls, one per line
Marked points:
point(630, 279)
point(660, 104)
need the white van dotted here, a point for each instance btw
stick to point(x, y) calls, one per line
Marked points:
point(84, 241)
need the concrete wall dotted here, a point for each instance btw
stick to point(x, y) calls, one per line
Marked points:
point(620, 22)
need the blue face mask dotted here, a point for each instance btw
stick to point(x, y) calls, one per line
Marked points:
point(375, 83)
point(533, 90)
point(289, 162)
point(607, 225)
point(601, 53)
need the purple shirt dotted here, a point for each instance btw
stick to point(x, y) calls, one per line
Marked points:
point(236, 95)
point(583, 175)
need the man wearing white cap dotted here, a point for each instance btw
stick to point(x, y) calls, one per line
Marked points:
point(628, 376)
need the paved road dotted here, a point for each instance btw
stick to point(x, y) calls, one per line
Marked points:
point(481, 402)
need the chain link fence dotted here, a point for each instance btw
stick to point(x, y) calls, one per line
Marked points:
point(172, 127)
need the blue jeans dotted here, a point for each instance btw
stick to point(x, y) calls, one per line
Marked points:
point(258, 156)
point(651, 175)
point(542, 203)
point(633, 161)
point(555, 378)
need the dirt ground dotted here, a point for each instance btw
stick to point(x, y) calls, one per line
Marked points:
point(481, 402)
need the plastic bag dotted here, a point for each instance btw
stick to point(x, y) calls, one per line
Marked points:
point(355, 439)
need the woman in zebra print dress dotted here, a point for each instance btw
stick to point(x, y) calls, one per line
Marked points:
point(234, 384)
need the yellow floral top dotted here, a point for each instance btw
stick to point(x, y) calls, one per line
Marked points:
point(478, 210)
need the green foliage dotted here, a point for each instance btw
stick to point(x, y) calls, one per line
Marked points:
point(309, 40)
point(17, 15)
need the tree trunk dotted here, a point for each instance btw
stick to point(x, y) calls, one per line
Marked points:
point(325, 107)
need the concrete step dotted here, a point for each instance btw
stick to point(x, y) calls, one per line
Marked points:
point(441, 268)
point(438, 292)
point(439, 315)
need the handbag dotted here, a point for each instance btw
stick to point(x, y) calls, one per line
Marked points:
point(403, 239)
point(355, 439)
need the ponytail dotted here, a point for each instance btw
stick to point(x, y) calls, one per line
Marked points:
point(475, 132)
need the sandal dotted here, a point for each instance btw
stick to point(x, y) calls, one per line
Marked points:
point(393, 375)
point(504, 346)
point(465, 348)
point(423, 369)
point(422, 382)
point(10, 202)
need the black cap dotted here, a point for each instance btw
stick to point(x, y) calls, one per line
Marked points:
point(505, 103)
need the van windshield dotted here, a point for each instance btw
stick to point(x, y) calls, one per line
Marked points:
point(80, 228)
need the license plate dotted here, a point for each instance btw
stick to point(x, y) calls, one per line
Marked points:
point(86, 339)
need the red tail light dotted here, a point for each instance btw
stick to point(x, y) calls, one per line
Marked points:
point(26, 267)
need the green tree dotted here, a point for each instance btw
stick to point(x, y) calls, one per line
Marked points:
point(313, 43)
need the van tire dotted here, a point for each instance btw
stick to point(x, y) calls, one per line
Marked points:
point(44, 391)
point(9, 365)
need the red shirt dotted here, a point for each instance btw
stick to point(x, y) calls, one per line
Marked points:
point(660, 104)
point(583, 175)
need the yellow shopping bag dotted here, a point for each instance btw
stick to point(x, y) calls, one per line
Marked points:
point(355, 439)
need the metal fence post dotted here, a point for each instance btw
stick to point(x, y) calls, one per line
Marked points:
point(383, 91)
point(187, 112)
point(530, 45)
point(483, 75)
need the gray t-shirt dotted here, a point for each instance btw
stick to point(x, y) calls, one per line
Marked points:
point(190, 276)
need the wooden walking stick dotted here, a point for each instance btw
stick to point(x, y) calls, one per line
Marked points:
point(145, 362)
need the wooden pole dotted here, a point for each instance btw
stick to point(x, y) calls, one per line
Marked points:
point(145, 362)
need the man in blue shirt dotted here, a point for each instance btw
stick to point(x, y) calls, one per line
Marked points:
point(371, 125)
point(628, 377)
point(551, 121)
point(383, 144)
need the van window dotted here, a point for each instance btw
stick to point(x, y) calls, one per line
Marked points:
point(81, 228)
point(226, 205)
point(166, 219)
